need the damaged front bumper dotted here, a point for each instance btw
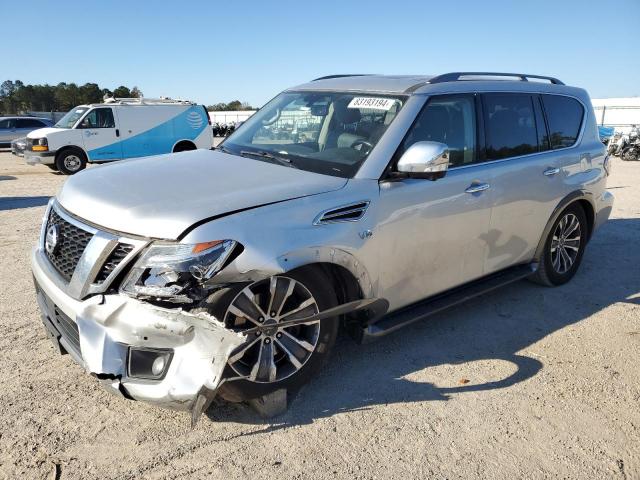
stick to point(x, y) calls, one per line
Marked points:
point(101, 331)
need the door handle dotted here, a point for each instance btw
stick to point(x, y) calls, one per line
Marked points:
point(550, 172)
point(477, 187)
point(117, 132)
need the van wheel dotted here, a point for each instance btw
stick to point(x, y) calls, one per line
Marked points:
point(563, 248)
point(71, 160)
point(277, 358)
point(183, 147)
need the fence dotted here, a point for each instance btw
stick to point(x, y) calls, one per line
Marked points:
point(53, 116)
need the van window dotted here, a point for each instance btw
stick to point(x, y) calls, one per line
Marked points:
point(564, 116)
point(510, 125)
point(99, 118)
point(448, 119)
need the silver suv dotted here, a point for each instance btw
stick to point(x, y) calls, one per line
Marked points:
point(12, 128)
point(358, 200)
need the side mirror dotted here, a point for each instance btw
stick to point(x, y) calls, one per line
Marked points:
point(428, 160)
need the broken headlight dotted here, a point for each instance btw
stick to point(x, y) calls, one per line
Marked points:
point(169, 272)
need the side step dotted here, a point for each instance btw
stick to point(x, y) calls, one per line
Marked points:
point(430, 306)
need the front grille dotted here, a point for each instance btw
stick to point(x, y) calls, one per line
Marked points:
point(114, 259)
point(72, 241)
point(68, 329)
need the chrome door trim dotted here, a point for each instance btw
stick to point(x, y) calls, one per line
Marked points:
point(550, 172)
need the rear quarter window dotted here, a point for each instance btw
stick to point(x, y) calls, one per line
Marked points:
point(564, 117)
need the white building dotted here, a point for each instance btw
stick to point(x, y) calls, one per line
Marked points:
point(620, 113)
point(230, 116)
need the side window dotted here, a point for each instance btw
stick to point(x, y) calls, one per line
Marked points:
point(450, 120)
point(510, 125)
point(564, 116)
point(29, 123)
point(7, 123)
point(99, 118)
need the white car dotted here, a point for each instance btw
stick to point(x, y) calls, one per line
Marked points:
point(119, 129)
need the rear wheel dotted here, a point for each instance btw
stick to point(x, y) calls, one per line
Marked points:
point(71, 160)
point(277, 357)
point(183, 147)
point(563, 248)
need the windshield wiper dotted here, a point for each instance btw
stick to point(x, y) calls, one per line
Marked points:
point(269, 156)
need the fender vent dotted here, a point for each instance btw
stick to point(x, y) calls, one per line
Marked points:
point(347, 213)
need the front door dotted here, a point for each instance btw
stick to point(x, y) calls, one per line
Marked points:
point(432, 234)
point(100, 135)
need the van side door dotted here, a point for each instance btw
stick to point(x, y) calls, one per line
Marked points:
point(527, 176)
point(101, 135)
point(432, 233)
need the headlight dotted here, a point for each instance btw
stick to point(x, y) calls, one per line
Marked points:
point(40, 145)
point(169, 271)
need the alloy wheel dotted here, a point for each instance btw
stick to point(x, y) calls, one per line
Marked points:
point(565, 243)
point(277, 352)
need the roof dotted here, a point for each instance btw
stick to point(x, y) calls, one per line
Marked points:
point(409, 84)
point(369, 83)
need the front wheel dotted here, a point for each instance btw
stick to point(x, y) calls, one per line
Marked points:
point(563, 248)
point(278, 357)
point(71, 160)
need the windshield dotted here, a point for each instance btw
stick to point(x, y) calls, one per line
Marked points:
point(330, 133)
point(71, 117)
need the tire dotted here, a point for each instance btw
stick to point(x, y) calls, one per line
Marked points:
point(554, 268)
point(53, 167)
point(311, 281)
point(71, 161)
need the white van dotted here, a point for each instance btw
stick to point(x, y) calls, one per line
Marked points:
point(118, 129)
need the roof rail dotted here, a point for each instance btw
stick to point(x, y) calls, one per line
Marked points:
point(328, 77)
point(455, 76)
point(146, 101)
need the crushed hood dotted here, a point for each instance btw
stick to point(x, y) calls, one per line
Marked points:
point(162, 196)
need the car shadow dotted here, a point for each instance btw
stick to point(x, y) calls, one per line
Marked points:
point(16, 203)
point(7, 177)
point(501, 325)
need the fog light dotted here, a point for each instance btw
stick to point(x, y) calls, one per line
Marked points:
point(149, 363)
point(158, 366)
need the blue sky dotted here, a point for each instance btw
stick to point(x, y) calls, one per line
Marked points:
point(224, 50)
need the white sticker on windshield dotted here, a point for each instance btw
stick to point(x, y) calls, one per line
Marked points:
point(372, 103)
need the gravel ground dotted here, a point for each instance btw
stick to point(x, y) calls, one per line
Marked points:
point(526, 382)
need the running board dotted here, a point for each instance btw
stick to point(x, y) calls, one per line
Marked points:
point(425, 308)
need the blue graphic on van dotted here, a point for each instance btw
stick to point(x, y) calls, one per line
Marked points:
point(159, 139)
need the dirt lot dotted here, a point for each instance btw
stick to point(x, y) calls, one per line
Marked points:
point(527, 382)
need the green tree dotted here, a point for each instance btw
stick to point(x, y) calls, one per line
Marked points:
point(122, 92)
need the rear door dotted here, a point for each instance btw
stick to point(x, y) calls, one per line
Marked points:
point(526, 177)
point(432, 233)
point(8, 130)
point(101, 135)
